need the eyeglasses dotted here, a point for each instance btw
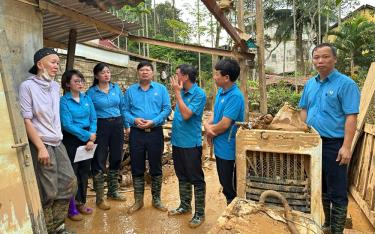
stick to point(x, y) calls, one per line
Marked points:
point(79, 82)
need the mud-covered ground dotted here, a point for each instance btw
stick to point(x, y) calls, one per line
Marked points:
point(149, 220)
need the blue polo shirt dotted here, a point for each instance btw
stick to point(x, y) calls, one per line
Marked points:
point(328, 102)
point(108, 105)
point(78, 116)
point(188, 133)
point(229, 103)
point(153, 104)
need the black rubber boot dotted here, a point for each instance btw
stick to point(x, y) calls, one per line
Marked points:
point(156, 182)
point(185, 189)
point(200, 197)
point(338, 219)
point(113, 186)
point(139, 190)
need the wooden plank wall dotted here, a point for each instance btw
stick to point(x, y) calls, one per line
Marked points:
point(363, 174)
point(368, 91)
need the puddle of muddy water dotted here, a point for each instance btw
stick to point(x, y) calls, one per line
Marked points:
point(149, 220)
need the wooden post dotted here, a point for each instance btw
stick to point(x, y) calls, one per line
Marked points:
point(244, 68)
point(155, 71)
point(71, 49)
point(261, 67)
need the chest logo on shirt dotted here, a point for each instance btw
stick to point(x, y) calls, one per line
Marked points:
point(188, 99)
point(156, 94)
point(113, 94)
point(222, 100)
point(330, 92)
point(86, 104)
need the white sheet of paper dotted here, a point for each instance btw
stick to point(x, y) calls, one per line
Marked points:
point(83, 154)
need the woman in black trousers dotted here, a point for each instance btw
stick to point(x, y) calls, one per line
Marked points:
point(78, 119)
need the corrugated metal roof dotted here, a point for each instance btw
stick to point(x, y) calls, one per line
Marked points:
point(56, 28)
point(105, 4)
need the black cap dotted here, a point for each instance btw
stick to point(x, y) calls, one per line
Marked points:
point(38, 56)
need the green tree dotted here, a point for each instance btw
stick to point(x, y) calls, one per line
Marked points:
point(279, 13)
point(355, 42)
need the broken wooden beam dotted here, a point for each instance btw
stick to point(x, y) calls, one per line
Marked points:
point(193, 48)
point(224, 22)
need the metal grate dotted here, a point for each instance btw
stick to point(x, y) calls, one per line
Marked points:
point(281, 172)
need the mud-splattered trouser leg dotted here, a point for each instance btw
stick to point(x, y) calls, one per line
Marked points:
point(57, 184)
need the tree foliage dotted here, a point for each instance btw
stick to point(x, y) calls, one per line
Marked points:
point(355, 42)
point(169, 26)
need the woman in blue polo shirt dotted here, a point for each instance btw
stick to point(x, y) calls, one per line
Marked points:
point(107, 98)
point(78, 120)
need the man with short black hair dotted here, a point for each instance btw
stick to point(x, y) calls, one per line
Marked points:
point(330, 104)
point(187, 143)
point(147, 106)
point(221, 129)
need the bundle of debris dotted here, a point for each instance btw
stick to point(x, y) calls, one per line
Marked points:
point(287, 119)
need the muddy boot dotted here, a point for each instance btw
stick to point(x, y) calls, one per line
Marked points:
point(60, 212)
point(113, 186)
point(185, 199)
point(200, 196)
point(99, 190)
point(326, 228)
point(156, 182)
point(338, 219)
point(74, 214)
point(48, 218)
point(139, 190)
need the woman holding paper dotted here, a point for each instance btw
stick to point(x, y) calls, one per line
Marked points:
point(78, 119)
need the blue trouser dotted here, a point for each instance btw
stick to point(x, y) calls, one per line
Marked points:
point(334, 176)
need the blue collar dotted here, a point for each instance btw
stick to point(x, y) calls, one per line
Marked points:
point(191, 90)
point(69, 95)
point(228, 90)
point(331, 77)
point(111, 85)
point(151, 85)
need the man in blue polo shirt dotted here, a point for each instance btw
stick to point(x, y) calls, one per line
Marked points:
point(330, 103)
point(187, 142)
point(221, 129)
point(147, 106)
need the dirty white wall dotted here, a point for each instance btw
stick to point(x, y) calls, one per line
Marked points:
point(19, 201)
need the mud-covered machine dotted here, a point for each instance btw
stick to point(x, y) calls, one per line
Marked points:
point(287, 162)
